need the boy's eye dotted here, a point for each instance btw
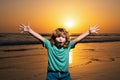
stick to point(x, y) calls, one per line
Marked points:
point(63, 36)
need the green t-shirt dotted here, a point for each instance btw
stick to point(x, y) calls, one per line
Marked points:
point(58, 59)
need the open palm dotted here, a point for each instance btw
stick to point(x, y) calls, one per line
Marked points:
point(93, 29)
point(24, 27)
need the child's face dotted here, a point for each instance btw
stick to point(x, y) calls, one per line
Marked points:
point(60, 41)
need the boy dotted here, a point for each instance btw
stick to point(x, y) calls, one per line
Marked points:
point(58, 48)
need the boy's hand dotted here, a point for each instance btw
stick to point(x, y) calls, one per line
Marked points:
point(93, 29)
point(24, 28)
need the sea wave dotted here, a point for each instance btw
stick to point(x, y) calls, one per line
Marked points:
point(21, 39)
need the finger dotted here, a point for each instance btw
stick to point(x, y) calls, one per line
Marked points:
point(21, 31)
point(90, 26)
point(97, 27)
point(20, 26)
point(96, 32)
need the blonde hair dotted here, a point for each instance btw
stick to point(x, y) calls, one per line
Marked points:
point(60, 32)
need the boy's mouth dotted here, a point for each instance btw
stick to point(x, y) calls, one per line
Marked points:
point(60, 43)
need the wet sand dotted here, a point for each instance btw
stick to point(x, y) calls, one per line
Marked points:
point(87, 62)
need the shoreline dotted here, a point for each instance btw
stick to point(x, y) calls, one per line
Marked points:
point(26, 39)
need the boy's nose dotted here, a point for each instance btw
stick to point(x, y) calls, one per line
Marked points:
point(60, 38)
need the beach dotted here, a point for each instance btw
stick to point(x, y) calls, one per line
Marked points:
point(22, 57)
point(88, 61)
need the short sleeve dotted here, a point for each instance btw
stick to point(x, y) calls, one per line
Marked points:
point(47, 43)
point(71, 45)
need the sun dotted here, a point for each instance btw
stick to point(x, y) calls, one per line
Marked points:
point(69, 23)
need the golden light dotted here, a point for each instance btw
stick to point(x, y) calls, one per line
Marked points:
point(69, 23)
point(70, 57)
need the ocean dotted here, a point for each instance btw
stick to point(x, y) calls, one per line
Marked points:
point(22, 57)
point(21, 39)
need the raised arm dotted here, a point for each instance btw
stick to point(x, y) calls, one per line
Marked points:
point(26, 28)
point(93, 29)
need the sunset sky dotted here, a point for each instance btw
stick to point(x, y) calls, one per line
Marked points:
point(46, 15)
